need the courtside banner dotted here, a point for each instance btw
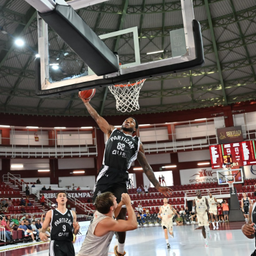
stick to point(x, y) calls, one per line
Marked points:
point(230, 134)
point(197, 175)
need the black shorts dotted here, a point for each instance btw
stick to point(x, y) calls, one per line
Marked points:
point(164, 227)
point(61, 248)
point(246, 210)
point(117, 189)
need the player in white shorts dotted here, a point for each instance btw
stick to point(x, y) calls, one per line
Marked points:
point(202, 208)
point(213, 210)
point(166, 213)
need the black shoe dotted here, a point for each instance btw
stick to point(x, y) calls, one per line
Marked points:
point(168, 246)
point(254, 253)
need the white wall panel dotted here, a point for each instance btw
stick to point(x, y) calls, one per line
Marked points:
point(75, 163)
point(75, 138)
point(250, 119)
point(239, 120)
point(197, 155)
point(154, 134)
point(31, 164)
point(28, 138)
point(219, 122)
point(194, 130)
point(81, 181)
point(159, 158)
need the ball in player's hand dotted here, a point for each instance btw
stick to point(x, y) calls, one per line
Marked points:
point(87, 94)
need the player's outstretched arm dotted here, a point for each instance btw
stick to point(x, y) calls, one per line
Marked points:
point(45, 225)
point(102, 122)
point(149, 172)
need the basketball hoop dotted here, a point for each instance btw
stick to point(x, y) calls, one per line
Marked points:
point(127, 95)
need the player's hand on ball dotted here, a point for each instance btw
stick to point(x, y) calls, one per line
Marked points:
point(248, 230)
point(84, 100)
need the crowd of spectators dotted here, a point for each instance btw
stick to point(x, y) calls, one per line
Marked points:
point(30, 226)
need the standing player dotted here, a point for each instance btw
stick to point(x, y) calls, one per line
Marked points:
point(213, 210)
point(122, 148)
point(166, 213)
point(201, 209)
point(63, 228)
point(245, 204)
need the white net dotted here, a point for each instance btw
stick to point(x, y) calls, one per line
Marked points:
point(127, 95)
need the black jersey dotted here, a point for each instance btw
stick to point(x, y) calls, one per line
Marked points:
point(62, 226)
point(121, 150)
point(246, 202)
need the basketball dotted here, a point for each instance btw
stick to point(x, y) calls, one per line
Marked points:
point(87, 94)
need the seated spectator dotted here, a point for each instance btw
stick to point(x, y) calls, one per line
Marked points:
point(139, 219)
point(38, 225)
point(146, 189)
point(4, 203)
point(42, 200)
point(38, 181)
point(9, 202)
point(35, 231)
point(8, 234)
point(15, 222)
point(33, 186)
point(43, 188)
point(28, 203)
point(139, 190)
point(78, 188)
point(27, 219)
point(179, 221)
point(49, 188)
point(26, 231)
point(22, 201)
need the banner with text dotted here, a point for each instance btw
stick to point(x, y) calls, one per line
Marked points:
point(230, 134)
point(197, 175)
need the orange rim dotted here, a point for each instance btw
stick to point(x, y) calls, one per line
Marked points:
point(128, 85)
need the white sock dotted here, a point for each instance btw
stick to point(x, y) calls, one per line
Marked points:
point(167, 241)
point(217, 224)
point(213, 224)
point(120, 248)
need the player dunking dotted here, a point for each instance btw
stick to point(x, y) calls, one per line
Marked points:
point(122, 148)
point(213, 210)
point(166, 213)
point(245, 204)
point(202, 208)
point(63, 226)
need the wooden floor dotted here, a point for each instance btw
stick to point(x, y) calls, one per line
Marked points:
point(228, 240)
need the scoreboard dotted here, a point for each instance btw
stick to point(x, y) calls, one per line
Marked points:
point(242, 153)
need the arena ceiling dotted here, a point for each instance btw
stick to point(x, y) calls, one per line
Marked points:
point(228, 75)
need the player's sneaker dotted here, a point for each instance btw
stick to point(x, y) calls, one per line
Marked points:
point(117, 253)
point(168, 246)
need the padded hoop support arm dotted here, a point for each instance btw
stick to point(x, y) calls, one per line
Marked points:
point(82, 39)
point(198, 60)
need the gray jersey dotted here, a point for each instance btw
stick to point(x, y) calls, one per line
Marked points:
point(96, 245)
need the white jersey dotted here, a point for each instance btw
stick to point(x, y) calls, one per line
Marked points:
point(166, 211)
point(212, 203)
point(201, 205)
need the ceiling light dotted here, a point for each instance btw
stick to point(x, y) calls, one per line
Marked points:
point(78, 172)
point(137, 168)
point(201, 119)
point(37, 55)
point(86, 127)
point(66, 54)
point(55, 67)
point(17, 166)
point(203, 163)
point(149, 53)
point(141, 125)
point(59, 128)
point(5, 126)
point(169, 166)
point(19, 42)
point(47, 170)
point(32, 127)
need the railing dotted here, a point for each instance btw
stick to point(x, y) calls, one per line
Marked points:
point(2, 234)
point(81, 205)
point(16, 179)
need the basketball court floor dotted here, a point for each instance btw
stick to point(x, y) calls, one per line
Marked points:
point(149, 241)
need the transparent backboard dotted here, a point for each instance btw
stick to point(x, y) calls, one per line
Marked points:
point(150, 53)
point(233, 175)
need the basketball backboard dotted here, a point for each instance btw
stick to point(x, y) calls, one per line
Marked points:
point(233, 175)
point(140, 54)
